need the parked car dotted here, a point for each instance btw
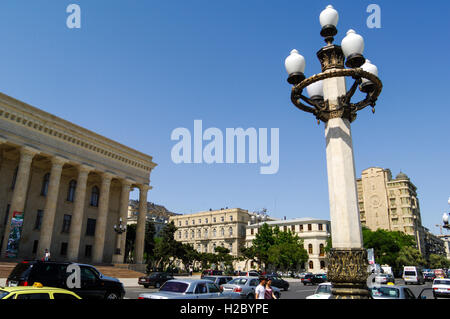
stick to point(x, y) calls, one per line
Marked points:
point(93, 284)
point(413, 275)
point(311, 279)
point(252, 273)
point(278, 282)
point(37, 292)
point(323, 291)
point(441, 288)
point(155, 279)
point(211, 272)
point(429, 276)
point(391, 292)
point(218, 280)
point(384, 279)
point(303, 274)
point(189, 289)
point(245, 287)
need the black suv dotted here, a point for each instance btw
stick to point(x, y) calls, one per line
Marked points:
point(278, 282)
point(93, 285)
point(156, 279)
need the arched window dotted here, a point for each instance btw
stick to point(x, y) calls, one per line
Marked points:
point(95, 193)
point(322, 250)
point(45, 182)
point(199, 233)
point(214, 232)
point(71, 191)
point(13, 183)
point(185, 234)
point(192, 234)
point(310, 249)
point(311, 265)
point(222, 232)
point(230, 230)
point(206, 233)
point(322, 264)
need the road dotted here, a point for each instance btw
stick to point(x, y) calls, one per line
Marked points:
point(296, 290)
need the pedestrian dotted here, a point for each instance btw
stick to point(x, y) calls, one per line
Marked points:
point(260, 291)
point(269, 291)
point(46, 255)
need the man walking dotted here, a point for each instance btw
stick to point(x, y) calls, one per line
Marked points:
point(260, 291)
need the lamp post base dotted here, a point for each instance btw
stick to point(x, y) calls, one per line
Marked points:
point(348, 273)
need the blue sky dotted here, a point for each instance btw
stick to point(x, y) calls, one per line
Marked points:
point(136, 70)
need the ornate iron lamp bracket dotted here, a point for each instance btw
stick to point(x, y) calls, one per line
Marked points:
point(345, 108)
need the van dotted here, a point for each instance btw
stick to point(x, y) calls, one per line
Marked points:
point(413, 275)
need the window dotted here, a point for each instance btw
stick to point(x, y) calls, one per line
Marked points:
point(193, 222)
point(311, 264)
point(322, 264)
point(192, 234)
point(222, 219)
point(186, 223)
point(38, 222)
point(63, 251)
point(206, 233)
point(231, 218)
point(186, 234)
point(320, 227)
point(322, 250)
point(66, 223)
point(35, 246)
point(222, 232)
point(87, 274)
point(71, 191)
point(199, 221)
point(201, 289)
point(179, 223)
point(206, 220)
point(285, 228)
point(199, 233)
point(13, 182)
point(214, 232)
point(45, 182)
point(90, 227)
point(293, 228)
point(95, 194)
point(252, 231)
point(179, 235)
point(213, 288)
point(88, 251)
point(310, 249)
point(33, 296)
point(230, 230)
point(214, 219)
point(61, 296)
point(309, 227)
point(301, 227)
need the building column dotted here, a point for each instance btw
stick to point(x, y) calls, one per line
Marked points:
point(140, 228)
point(78, 213)
point(123, 213)
point(100, 228)
point(48, 219)
point(20, 188)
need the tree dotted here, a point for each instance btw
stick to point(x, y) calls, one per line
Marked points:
point(247, 254)
point(287, 252)
point(438, 261)
point(410, 256)
point(149, 243)
point(223, 256)
point(188, 255)
point(167, 249)
point(264, 239)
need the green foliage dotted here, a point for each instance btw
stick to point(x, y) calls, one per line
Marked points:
point(130, 239)
point(387, 245)
point(438, 261)
point(410, 256)
point(167, 249)
point(278, 249)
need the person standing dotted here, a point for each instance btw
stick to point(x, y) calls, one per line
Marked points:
point(269, 291)
point(260, 290)
point(46, 255)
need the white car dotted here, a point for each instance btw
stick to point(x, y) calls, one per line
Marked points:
point(323, 291)
point(441, 287)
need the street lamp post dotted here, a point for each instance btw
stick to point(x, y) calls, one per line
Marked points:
point(330, 102)
point(119, 229)
point(445, 218)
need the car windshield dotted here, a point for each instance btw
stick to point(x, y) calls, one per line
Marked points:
point(442, 282)
point(154, 275)
point(389, 292)
point(238, 281)
point(3, 294)
point(323, 289)
point(410, 273)
point(174, 286)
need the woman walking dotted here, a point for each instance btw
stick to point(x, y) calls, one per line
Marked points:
point(269, 291)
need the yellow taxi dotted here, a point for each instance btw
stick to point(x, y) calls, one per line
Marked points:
point(36, 292)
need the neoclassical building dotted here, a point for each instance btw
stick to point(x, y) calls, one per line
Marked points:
point(63, 188)
point(312, 231)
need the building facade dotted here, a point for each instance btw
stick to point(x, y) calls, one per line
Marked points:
point(157, 214)
point(313, 232)
point(390, 204)
point(63, 187)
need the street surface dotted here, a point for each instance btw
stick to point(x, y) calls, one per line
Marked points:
point(296, 290)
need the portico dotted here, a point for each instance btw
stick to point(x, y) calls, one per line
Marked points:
point(71, 184)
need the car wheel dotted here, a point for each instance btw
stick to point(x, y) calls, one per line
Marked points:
point(111, 296)
point(157, 285)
